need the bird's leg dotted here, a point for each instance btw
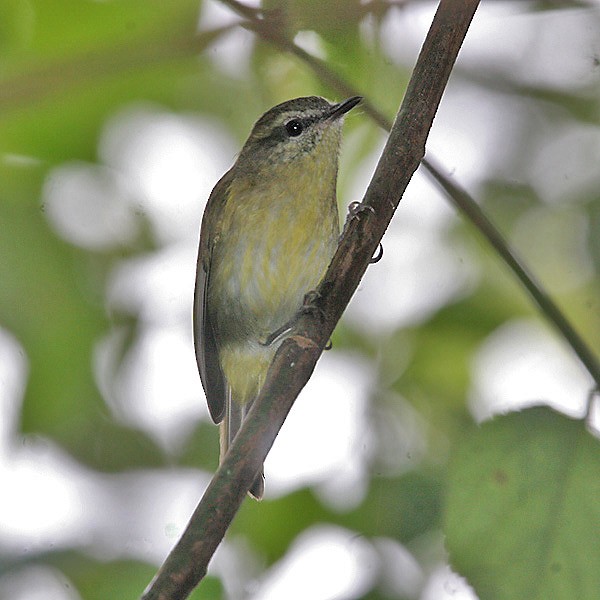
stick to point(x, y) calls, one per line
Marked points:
point(355, 209)
point(279, 333)
point(308, 307)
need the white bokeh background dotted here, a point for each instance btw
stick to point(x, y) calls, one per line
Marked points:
point(164, 165)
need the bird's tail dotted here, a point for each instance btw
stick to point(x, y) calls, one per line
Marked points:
point(235, 414)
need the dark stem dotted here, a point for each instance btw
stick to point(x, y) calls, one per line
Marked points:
point(549, 309)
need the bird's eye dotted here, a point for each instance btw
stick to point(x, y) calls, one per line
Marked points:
point(294, 128)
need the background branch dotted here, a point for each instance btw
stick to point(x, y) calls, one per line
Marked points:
point(470, 209)
point(296, 358)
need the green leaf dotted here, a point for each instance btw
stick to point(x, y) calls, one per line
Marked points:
point(523, 508)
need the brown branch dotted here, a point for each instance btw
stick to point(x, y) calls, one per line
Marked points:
point(297, 356)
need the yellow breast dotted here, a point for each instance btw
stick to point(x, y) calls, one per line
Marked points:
point(277, 240)
point(277, 235)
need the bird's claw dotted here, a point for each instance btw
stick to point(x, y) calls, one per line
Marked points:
point(377, 257)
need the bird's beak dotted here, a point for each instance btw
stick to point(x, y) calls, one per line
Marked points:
point(340, 109)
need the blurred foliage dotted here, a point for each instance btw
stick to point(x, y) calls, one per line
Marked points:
point(519, 497)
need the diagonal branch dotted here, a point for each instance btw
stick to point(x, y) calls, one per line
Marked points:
point(547, 306)
point(296, 358)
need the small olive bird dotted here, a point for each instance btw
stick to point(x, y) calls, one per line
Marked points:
point(269, 232)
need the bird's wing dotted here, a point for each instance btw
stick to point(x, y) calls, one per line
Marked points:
point(205, 335)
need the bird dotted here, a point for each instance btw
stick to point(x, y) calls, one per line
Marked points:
point(268, 233)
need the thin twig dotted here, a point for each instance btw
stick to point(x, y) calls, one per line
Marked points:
point(549, 309)
point(297, 355)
